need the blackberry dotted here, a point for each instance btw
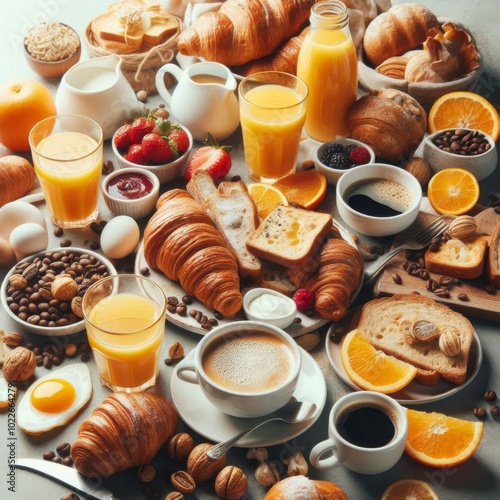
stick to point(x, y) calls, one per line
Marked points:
point(333, 156)
point(338, 161)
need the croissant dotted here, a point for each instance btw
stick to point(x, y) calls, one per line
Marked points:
point(125, 430)
point(339, 270)
point(181, 240)
point(402, 28)
point(244, 30)
point(17, 177)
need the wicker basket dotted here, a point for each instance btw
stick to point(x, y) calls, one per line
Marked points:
point(139, 68)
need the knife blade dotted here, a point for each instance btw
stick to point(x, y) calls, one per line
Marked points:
point(67, 476)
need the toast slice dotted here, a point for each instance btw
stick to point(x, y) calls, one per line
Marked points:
point(201, 186)
point(387, 321)
point(494, 258)
point(289, 236)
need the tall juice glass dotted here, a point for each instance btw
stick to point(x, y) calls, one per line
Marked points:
point(67, 155)
point(328, 64)
point(125, 321)
point(272, 114)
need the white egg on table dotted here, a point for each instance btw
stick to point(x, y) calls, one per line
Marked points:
point(15, 213)
point(27, 239)
point(55, 399)
point(120, 237)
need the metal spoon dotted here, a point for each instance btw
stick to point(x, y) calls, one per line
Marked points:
point(292, 413)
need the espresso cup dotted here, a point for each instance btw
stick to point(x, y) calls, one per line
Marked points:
point(245, 368)
point(366, 433)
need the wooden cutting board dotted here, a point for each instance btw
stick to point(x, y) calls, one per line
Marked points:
point(481, 304)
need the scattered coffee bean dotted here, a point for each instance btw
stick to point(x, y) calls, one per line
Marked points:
point(297, 320)
point(57, 460)
point(495, 410)
point(64, 449)
point(95, 245)
point(479, 412)
point(463, 297)
point(85, 357)
point(168, 361)
point(490, 395)
point(490, 289)
point(70, 496)
point(144, 271)
point(58, 231)
point(96, 228)
point(49, 455)
point(397, 279)
point(107, 167)
point(187, 300)
point(65, 242)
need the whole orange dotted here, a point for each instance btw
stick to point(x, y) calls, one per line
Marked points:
point(23, 103)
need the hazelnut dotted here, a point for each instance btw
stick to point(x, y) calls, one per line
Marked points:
point(231, 483)
point(179, 446)
point(267, 474)
point(146, 473)
point(495, 410)
point(200, 466)
point(420, 169)
point(64, 287)
point(479, 412)
point(20, 365)
point(450, 343)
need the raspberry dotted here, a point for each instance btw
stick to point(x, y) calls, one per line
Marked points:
point(359, 155)
point(304, 299)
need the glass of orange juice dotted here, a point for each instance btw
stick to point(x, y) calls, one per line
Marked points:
point(125, 321)
point(272, 115)
point(67, 155)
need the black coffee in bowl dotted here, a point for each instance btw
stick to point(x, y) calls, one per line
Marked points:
point(367, 426)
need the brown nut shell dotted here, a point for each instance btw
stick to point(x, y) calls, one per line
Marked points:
point(200, 466)
point(20, 365)
point(231, 483)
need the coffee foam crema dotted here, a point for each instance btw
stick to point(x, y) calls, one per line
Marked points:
point(385, 191)
point(251, 362)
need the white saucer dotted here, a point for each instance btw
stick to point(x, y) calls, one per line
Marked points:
point(209, 422)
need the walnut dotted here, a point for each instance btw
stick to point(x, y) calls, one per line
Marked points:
point(462, 227)
point(202, 468)
point(13, 339)
point(179, 446)
point(231, 483)
point(64, 287)
point(450, 343)
point(20, 365)
point(18, 282)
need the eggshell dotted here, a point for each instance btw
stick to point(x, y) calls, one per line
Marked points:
point(7, 255)
point(15, 213)
point(27, 239)
point(120, 237)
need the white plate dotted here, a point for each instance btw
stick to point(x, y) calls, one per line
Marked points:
point(173, 289)
point(415, 393)
point(204, 418)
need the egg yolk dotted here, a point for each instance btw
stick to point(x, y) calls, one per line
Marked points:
point(53, 396)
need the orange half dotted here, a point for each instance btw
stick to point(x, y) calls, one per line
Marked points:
point(409, 489)
point(306, 188)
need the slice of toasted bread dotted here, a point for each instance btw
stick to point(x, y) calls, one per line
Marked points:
point(494, 257)
point(289, 236)
point(463, 259)
point(201, 186)
point(386, 321)
point(275, 277)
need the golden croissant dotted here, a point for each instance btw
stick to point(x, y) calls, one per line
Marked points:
point(125, 430)
point(181, 240)
point(337, 275)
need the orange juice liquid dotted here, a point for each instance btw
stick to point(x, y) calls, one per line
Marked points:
point(271, 123)
point(126, 336)
point(328, 64)
point(71, 184)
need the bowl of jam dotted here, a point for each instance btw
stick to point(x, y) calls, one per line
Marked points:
point(131, 191)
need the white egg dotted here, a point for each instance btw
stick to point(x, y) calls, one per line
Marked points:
point(7, 255)
point(16, 213)
point(120, 237)
point(54, 399)
point(27, 239)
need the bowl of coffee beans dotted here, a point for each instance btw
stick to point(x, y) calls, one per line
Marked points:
point(472, 150)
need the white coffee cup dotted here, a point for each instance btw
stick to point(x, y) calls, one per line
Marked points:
point(267, 356)
point(366, 433)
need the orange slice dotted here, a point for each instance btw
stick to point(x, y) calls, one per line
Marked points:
point(266, 198)
point(453, 191)
point(464, 110)
point(306, 188)
point(437, 440)
point(409, 489)
point(372, 369)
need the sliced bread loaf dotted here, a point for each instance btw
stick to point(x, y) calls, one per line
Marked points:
point(289, 236)
point(388, 322)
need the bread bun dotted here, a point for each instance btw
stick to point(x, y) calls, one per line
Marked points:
point(303, 487)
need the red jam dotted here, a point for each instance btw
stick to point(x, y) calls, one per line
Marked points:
point(130, 186)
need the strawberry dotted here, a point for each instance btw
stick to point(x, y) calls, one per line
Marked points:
point(304, 300)
point(140, 127)
point(212, 157)
point(181, 139)
point(157, 149)
point(121, 138)
point(135, 155)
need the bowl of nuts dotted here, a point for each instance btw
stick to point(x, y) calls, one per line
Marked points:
point(42, 293)
point(471, 150)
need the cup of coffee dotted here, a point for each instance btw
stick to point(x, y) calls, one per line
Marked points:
point(366, 433)
point(245, 368)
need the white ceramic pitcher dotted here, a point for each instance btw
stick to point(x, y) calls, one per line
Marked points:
point(97, 88)
point(204, 99)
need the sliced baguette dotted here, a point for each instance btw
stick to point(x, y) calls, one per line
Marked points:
point(386, 321)
point(459, 258)
point(494, 258)
point(289, 236)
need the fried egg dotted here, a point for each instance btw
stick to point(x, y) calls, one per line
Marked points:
point(54, 399)
point(7, 392)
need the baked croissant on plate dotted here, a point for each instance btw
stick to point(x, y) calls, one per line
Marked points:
point(340, 268)
point(125, 430)
point(181, 240)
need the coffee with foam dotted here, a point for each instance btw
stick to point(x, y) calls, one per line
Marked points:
point(248, 362)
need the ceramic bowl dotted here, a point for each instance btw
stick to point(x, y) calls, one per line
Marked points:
point(367, 179)
point(279, 312)
point(54, 331)
point(166, 172)
point(481, 165)
point(55, 69)
point(136, 207)
point(334, 174)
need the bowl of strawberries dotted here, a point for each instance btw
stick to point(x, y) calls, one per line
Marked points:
point(154, 143)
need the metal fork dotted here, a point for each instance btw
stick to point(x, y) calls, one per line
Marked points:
point(417, 242)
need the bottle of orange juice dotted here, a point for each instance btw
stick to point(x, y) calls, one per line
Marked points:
point(328, 64)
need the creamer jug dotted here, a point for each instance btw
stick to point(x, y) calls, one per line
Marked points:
point(96, 88)
point(204, 99)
